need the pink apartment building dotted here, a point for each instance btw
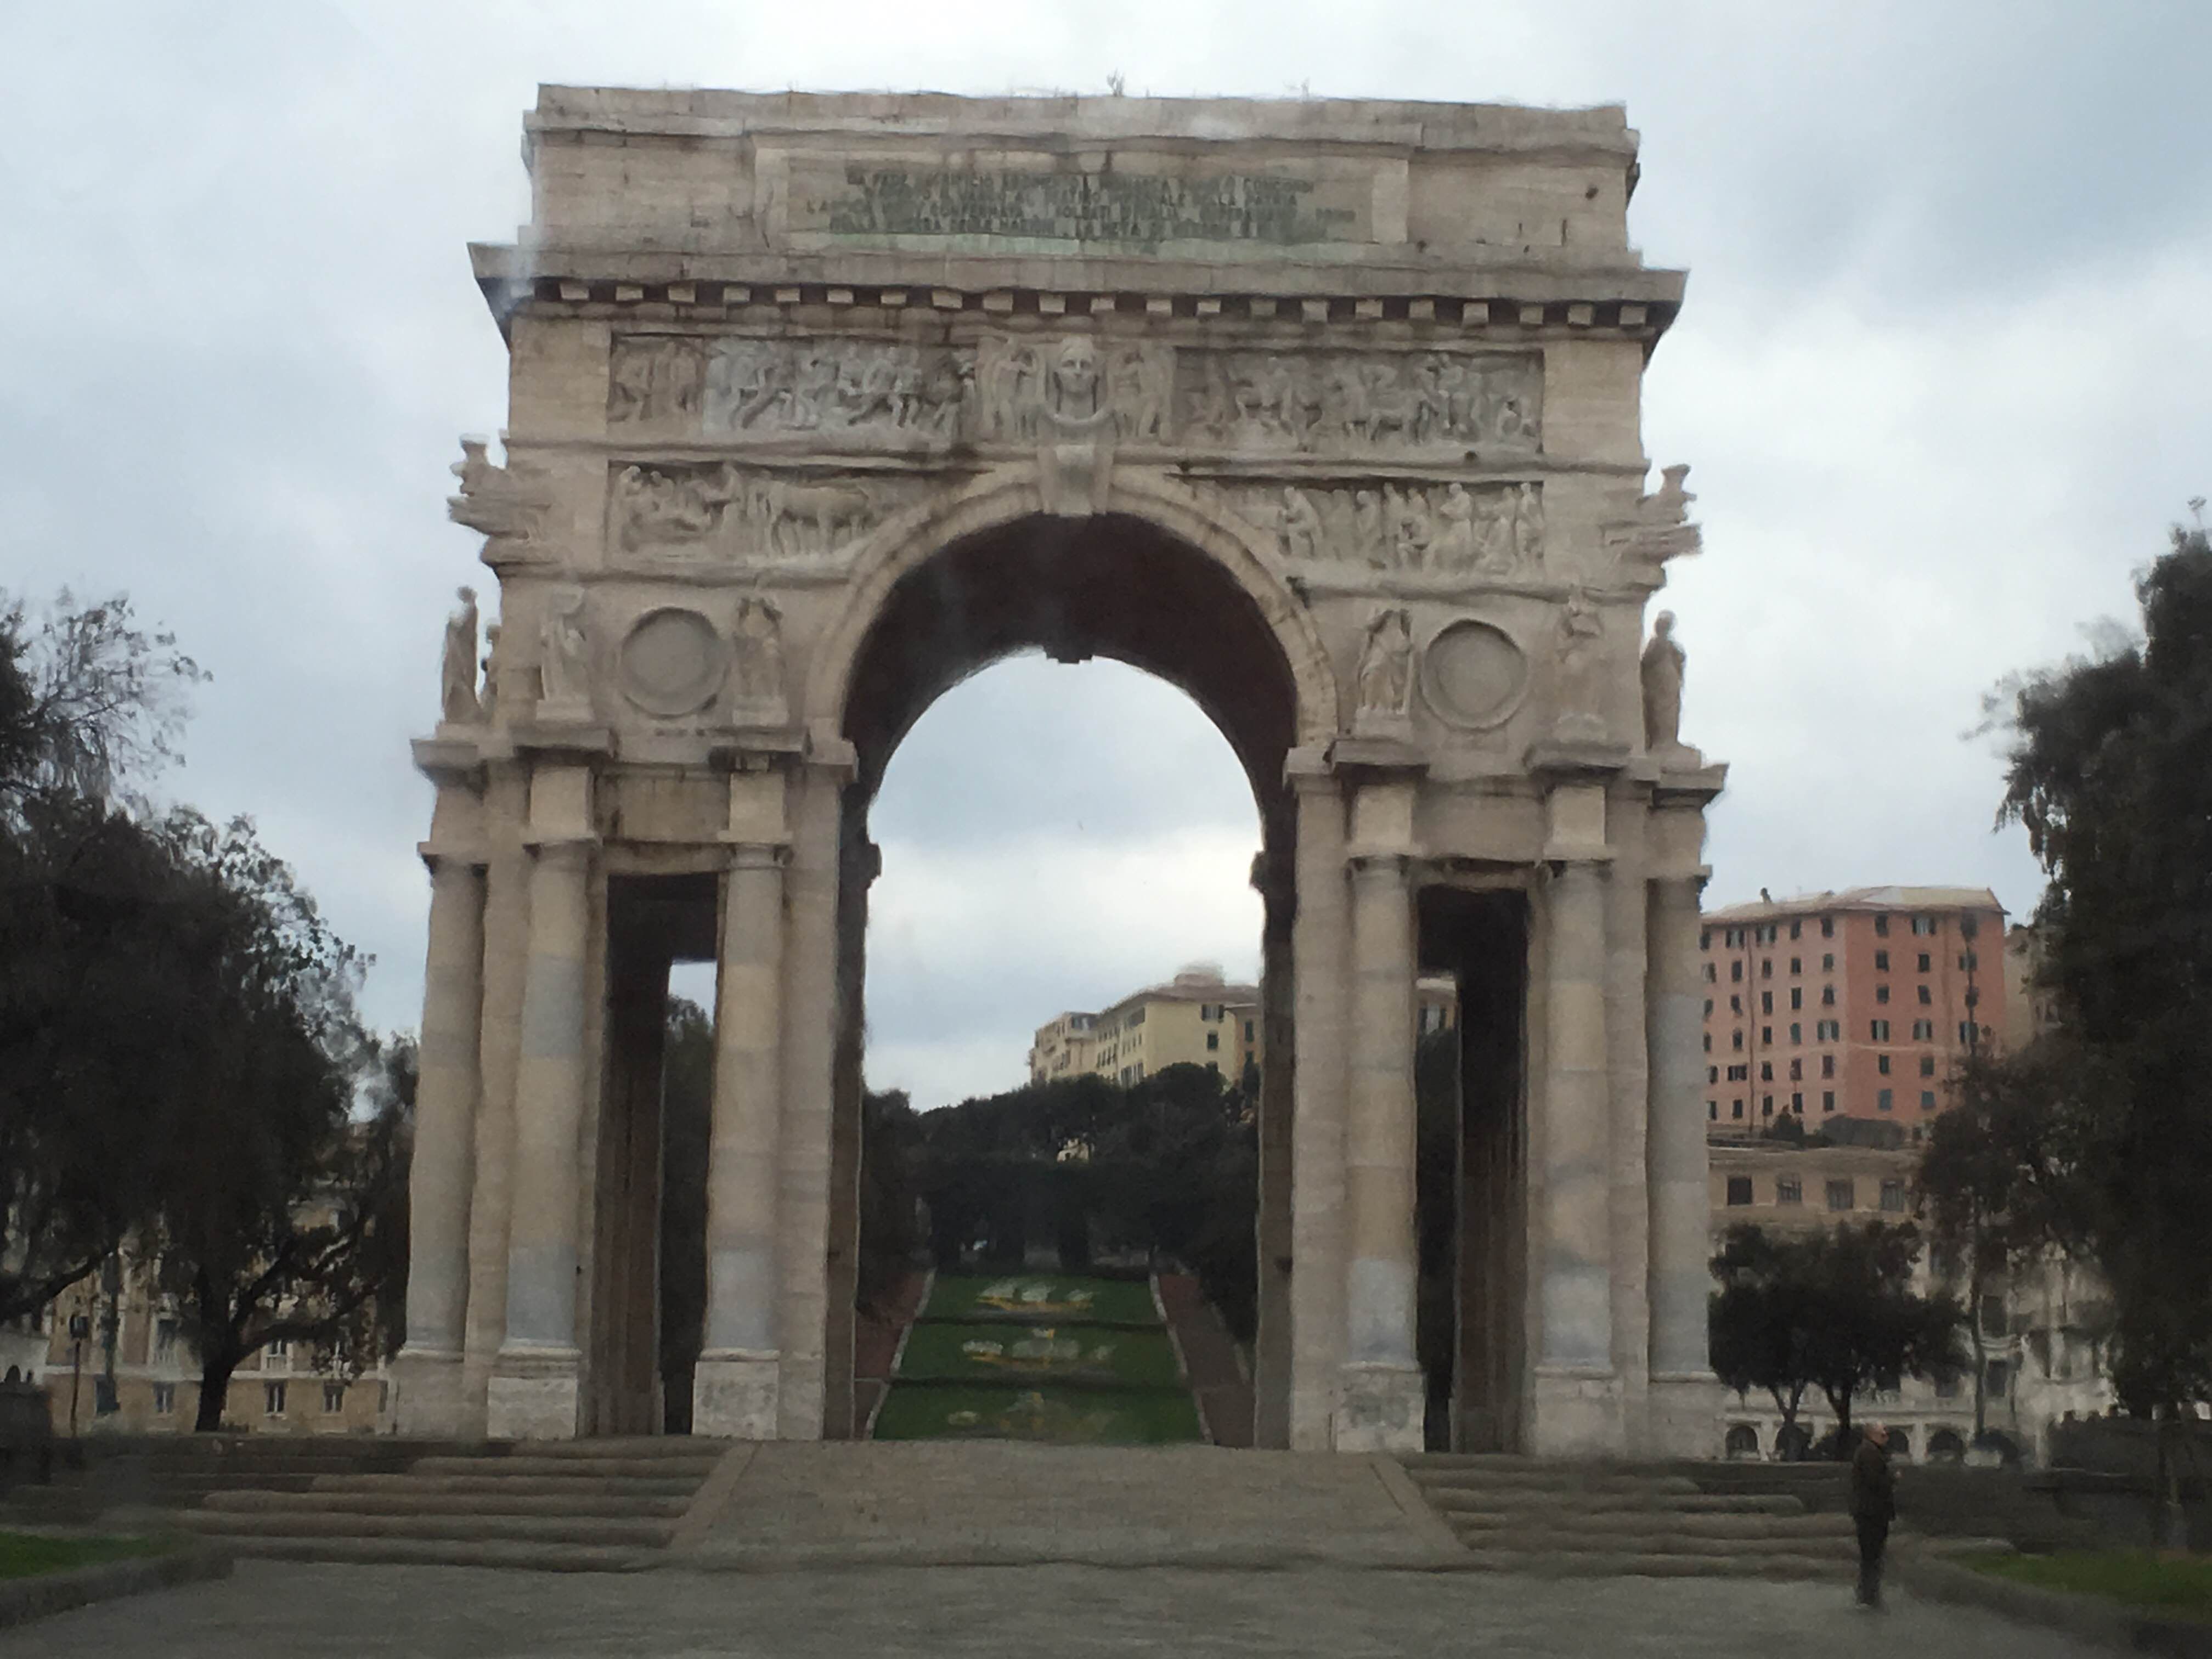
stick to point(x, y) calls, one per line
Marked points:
point(1851, 1005)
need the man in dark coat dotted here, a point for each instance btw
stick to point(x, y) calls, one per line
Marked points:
point(1874, 1505)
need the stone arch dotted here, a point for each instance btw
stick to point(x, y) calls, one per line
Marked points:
point(1742, 1441)
point(1001, 499)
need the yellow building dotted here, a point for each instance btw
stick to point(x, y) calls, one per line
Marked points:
point(1197, 1018)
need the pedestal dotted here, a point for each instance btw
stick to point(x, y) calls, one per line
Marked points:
point(735, 1393)
point(535, 1395)
point(427, 1397)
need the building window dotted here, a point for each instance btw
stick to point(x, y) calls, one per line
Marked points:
point(1739, 1074)
point(165, 1340)
point(1767, 1105)
point(1713, 1111)
point(1827, 927)
point(1968, 963)
point(1705, 940)
point(1924, 1030)
point(1797, 1102)
point(1248, 1030)
point(1739, 1190)
point(1923, 924)
point(1709, 973)
point(1927, 997)
point(1893, 1197)
point(1841, 1195)
point(1735, 1108)
point(1827, 1100)
point(334, 1397)
point(1767, 1071)
point(1766, 1036)
point(1881, 1064)
point(280, 1347)
point(1879, 1030)
point(1788, 1189)
point(1881, 962)
point(1997, 1379)
point(1965, 1030)
point(1736, 1004)
point(1709, 1043)
point(1797, 996)
point(1735, 1041)
point(1796, 1032)
point(1712, 1074)
point(1708, 1007)
point(1827, 1031)
point(165, 1399)
point(1881, 926)
point(1214, 1038)
point(1881, 1100)
point(1797, 965)
point(1927, 1065)
point(272, 1399)
point(1927, 1100)
point(1882, 994)
point(1735, 970)
point(1926, 962)
point(1766, 1002)
point(1828, 962)
point(1767, 968)
point(1797, 1066)
point(1827, 996)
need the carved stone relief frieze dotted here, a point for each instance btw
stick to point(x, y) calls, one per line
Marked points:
point(844, 389)
point(1385, 677)
point(1353, 403)
point(1455, 529)
point(1022, 389)
point(717, 510)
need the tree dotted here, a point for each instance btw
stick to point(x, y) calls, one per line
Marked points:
point(96, 938)
point(1833, 1310)
point(2107, 773)
point(273, 1213)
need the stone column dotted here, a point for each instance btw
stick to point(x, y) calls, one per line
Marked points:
point(1380, 1401)
point(1628, 1070)
point(535, 1384)
point(428, 1370)
point(1682, 1386)
point(734, 1390)
point(1320, 954)
point(1272, 1345)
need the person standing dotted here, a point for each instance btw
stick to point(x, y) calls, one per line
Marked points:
point(1874, 1505)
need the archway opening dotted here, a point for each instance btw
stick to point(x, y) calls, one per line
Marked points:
point(1115, 587)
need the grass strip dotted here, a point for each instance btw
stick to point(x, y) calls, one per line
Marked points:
point(2181, 1587)
point(1040, 1355)
point(26, 1554)
point(1062, 1297)
point(1078, 1418)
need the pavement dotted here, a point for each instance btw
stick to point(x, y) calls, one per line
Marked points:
point(1003, 1503)
point(1069, 1612)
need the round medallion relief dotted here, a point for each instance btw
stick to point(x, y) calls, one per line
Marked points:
point(672, 662)
point(1473, 675)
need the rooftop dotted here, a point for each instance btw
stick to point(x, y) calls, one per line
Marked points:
point(1862, 898)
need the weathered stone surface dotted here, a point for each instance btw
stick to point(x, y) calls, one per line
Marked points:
point(1328, 410)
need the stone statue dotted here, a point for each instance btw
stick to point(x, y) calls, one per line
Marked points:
point(1663, 687)
point(1302, 529)
point(759, 657)
point(1660, 528)
point(493, 661)
point(506, 503)
point(1075, 469)
point(1581, 690)
point(1386, 664)
point(457, 686)
point(563, 677)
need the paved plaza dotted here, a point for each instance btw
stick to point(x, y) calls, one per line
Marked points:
point(980, 1613)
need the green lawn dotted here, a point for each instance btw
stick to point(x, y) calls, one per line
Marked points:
point(1045, 1297)
point(1038, 1353)
point(24, 1554)
point(2182, 1588)
point(1073, 1418)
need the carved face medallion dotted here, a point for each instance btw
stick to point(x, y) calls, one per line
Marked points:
point(1473, 675)
point(672, 662)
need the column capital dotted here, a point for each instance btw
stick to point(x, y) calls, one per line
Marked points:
point(757, 855)
point(449, 860)
point(1363, 866)
point(568, 850)
point(452, 761)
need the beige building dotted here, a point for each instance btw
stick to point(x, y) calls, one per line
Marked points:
point(155, 1377)
point(1196, 1018)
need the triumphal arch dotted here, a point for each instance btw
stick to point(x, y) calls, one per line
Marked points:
point(1326, 411)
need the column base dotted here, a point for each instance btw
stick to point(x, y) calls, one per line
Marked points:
point(1381, 1408)
point(1685, 1414)
point(427, 1397)
point(1575, 1412)
point(536, 1394)
point(734, 1394)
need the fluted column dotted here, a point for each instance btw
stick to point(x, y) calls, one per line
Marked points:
point(1675, 1138)
point(428, 1370)
point(1320, 954)
point(734, 1390)
point(535, 1383)
point(1382, 1396)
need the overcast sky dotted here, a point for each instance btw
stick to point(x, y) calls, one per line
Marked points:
point(1941, 376)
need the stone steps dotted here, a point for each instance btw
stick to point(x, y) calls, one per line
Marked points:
point(534, 1485)
point(1667, 1534)
point(694, 1466)
point(1614, 1563)
point(405, 1552)
point(469, 1527)
point(1489, 1499)
point(404, 1502)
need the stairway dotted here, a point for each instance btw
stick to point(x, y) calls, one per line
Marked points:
point(1594, 1520)
point(564, 1506)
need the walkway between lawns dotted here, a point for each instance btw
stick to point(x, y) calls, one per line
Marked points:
point(1040, 1356)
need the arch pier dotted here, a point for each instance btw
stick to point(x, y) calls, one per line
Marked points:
point(1327, 412)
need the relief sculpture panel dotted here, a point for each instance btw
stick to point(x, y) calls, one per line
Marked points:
point(1363, 402)
point(872, 389)
point(1017, 391)
point(720, 511)
point(1483, 529)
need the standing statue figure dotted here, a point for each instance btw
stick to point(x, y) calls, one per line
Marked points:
point(1075, 467)
point(759, 652)
point(562, 675)
point(1662, 687)
point(457, 686)
point(1303, 532)
point(1386, 664)
point(493, 661)
point(1580, 693)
